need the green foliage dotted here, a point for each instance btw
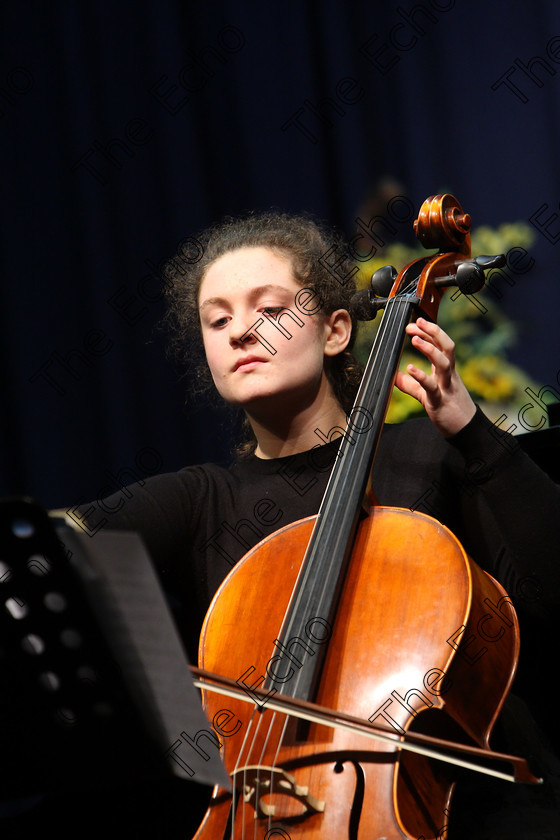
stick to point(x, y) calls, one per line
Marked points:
point(482, 339)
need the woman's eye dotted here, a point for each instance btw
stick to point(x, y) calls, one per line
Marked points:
point(220, 322)
point(272, 310)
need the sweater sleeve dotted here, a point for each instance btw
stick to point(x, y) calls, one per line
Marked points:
point(164, 509)
point(508, 499)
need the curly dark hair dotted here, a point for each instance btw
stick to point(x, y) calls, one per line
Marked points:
point(320, 261)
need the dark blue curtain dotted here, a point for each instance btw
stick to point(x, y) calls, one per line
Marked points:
point(128, 127)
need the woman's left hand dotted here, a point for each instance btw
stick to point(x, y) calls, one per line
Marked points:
point(447, 402)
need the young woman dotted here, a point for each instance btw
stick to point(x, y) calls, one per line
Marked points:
point(264, 319)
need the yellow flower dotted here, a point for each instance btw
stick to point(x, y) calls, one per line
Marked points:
point(488, 377)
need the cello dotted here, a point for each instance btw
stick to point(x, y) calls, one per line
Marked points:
point(367, 615)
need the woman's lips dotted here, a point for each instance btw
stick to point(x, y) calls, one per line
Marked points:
point(249, 363)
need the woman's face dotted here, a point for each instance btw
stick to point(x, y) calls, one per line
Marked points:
point(257, 355)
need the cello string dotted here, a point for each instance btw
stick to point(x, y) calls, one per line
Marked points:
point(312, 561)
point(385, 327)
point(275, 759)
point(245, 771)
point(259, 765)
point(401, 295)
point(236, 768)
point(392, 326)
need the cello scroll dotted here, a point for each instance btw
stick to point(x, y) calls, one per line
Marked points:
point(441, 224)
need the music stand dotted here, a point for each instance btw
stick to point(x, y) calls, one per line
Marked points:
point(95, 686)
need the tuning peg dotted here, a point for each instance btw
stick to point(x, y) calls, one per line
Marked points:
point(487, 263)
point(382, 280)
point(366, 304)
point(470, 275)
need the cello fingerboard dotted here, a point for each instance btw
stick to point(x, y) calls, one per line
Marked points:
point(312, 611)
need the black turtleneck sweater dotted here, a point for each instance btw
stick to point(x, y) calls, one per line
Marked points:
point(198, 522)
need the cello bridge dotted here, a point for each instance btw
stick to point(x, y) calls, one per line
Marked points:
point(257, 782)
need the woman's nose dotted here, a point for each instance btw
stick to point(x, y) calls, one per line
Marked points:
point(242, 330)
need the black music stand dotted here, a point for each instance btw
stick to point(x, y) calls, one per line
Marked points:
point(94, 683)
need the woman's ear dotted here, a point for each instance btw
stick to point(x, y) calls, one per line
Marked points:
point(338, 326)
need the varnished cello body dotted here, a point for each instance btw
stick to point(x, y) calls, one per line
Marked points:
point(362, 609)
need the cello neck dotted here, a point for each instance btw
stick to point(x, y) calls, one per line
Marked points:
point(308, 621)
point(314, 601)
